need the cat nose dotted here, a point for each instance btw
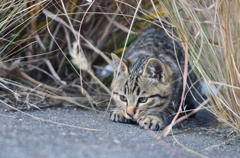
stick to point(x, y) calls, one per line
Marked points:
point(131, 111)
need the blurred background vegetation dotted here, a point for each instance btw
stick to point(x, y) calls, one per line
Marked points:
point(57, 52)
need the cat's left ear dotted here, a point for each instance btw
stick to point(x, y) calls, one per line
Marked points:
point(122, 63)
point(156, 69)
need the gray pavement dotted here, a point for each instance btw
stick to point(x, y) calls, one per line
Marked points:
point(22, 136)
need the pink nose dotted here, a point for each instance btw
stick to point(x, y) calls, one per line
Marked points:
point(131, 111)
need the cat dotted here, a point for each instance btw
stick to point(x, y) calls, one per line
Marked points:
point(147, 84)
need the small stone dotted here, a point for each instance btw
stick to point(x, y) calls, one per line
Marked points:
point(72, 134)
point(63, 134)
point(116, 141)
point(100, 138)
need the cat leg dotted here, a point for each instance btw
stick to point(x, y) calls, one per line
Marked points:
point(118, 116)
point(151, 122)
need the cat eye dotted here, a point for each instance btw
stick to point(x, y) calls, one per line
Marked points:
point(123, 98)
point(143, 99)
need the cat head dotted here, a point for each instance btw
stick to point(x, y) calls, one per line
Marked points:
point(143, 93)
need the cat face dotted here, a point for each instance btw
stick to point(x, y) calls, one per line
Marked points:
point(144, 93)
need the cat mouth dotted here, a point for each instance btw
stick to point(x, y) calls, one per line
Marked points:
point(128, 116)
point(134, 117)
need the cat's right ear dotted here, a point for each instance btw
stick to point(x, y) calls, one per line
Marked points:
point(155, 69)
point(119, 65)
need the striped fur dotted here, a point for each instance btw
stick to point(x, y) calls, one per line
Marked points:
point(147, 83)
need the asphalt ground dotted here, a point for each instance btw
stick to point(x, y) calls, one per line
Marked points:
point(24, 136)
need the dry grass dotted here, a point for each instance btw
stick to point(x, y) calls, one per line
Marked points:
point(212, 28)
point(56, 51)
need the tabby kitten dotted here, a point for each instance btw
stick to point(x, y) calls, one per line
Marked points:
point(147, 83)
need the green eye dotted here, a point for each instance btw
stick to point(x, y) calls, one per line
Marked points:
point(123, 98)
point(143, 99)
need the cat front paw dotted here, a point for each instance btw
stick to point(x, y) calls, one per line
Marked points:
point(150, 122)
point(117, 116)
